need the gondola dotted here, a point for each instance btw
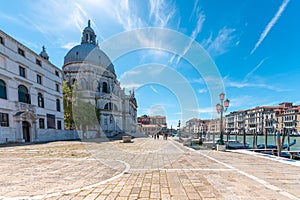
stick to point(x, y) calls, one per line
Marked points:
point(285, 146)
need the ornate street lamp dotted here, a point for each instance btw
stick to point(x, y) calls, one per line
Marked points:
point(178, 132)
point(222, 107)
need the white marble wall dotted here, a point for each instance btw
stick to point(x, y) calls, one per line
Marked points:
point(10, 60)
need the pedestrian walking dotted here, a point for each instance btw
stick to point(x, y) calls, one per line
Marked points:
point(165, 136)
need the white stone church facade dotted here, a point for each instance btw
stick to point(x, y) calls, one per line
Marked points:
point(31, 101)
point(94, 74)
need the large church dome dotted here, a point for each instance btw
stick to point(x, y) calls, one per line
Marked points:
point(88, 51)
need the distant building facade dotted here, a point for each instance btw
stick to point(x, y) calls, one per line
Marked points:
point(31, 101)
point(264, 120)
point(260, 120)
point(146, 119)
point(151, 125)
point(214, 128)
point(91, 70)
point(289, 119)
point(150, 129)
point(196, 126)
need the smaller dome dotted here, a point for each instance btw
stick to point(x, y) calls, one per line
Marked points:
point(44, 54)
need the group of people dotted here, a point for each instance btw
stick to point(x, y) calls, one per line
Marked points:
point(156, 136)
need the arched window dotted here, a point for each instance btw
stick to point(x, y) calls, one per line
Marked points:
point(3, 89)
point(23, 94)
point(58, 105)
point(108, 106)
point(74, 82)
point(104, 87)
point(40, 100)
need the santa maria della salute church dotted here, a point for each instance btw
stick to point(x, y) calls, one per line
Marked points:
point(31, 93)
point(96, 80)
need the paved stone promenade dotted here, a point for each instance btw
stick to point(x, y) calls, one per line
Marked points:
point(144, 169)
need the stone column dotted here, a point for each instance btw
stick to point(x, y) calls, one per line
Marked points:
point(19, 132)
point(34, 134)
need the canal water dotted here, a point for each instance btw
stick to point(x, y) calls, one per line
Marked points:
point(261, 140)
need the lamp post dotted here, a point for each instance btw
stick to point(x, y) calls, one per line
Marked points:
point(222, 107)
point(293, 124)
point(244, 129)
point(201, 133)
point(274, 123)
point(178, 133)
point(283, 137)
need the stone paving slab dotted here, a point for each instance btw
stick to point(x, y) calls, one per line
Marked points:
point(144, 169)
point(34, 170)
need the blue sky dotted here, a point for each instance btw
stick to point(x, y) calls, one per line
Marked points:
point(254, 45)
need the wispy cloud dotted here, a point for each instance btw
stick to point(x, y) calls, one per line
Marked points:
point(198, 80)
point(207, 110)
point(202, 90)
point(56, 21)
point(79, 16)
point(131, 73)
point(126, 16)
point(13, 19)
point(244, 84)
point(69, 45)
point(247, 101)
point(297, 102)
point(221, 43)
point(242, 102)
point(273, 103)
point(130, 86)
point(270, 25)
point(157, 109)
point(200, 21)
point(195, 8)
point(161, 11)
point(30, 44)
point(153, 89)
point(255, 68)
point(206, 80)
point(156, 55)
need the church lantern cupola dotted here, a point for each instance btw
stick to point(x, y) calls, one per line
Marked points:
point(88, 35)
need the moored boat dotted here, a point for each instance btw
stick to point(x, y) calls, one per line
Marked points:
point(234, 144)
point(285, 146)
